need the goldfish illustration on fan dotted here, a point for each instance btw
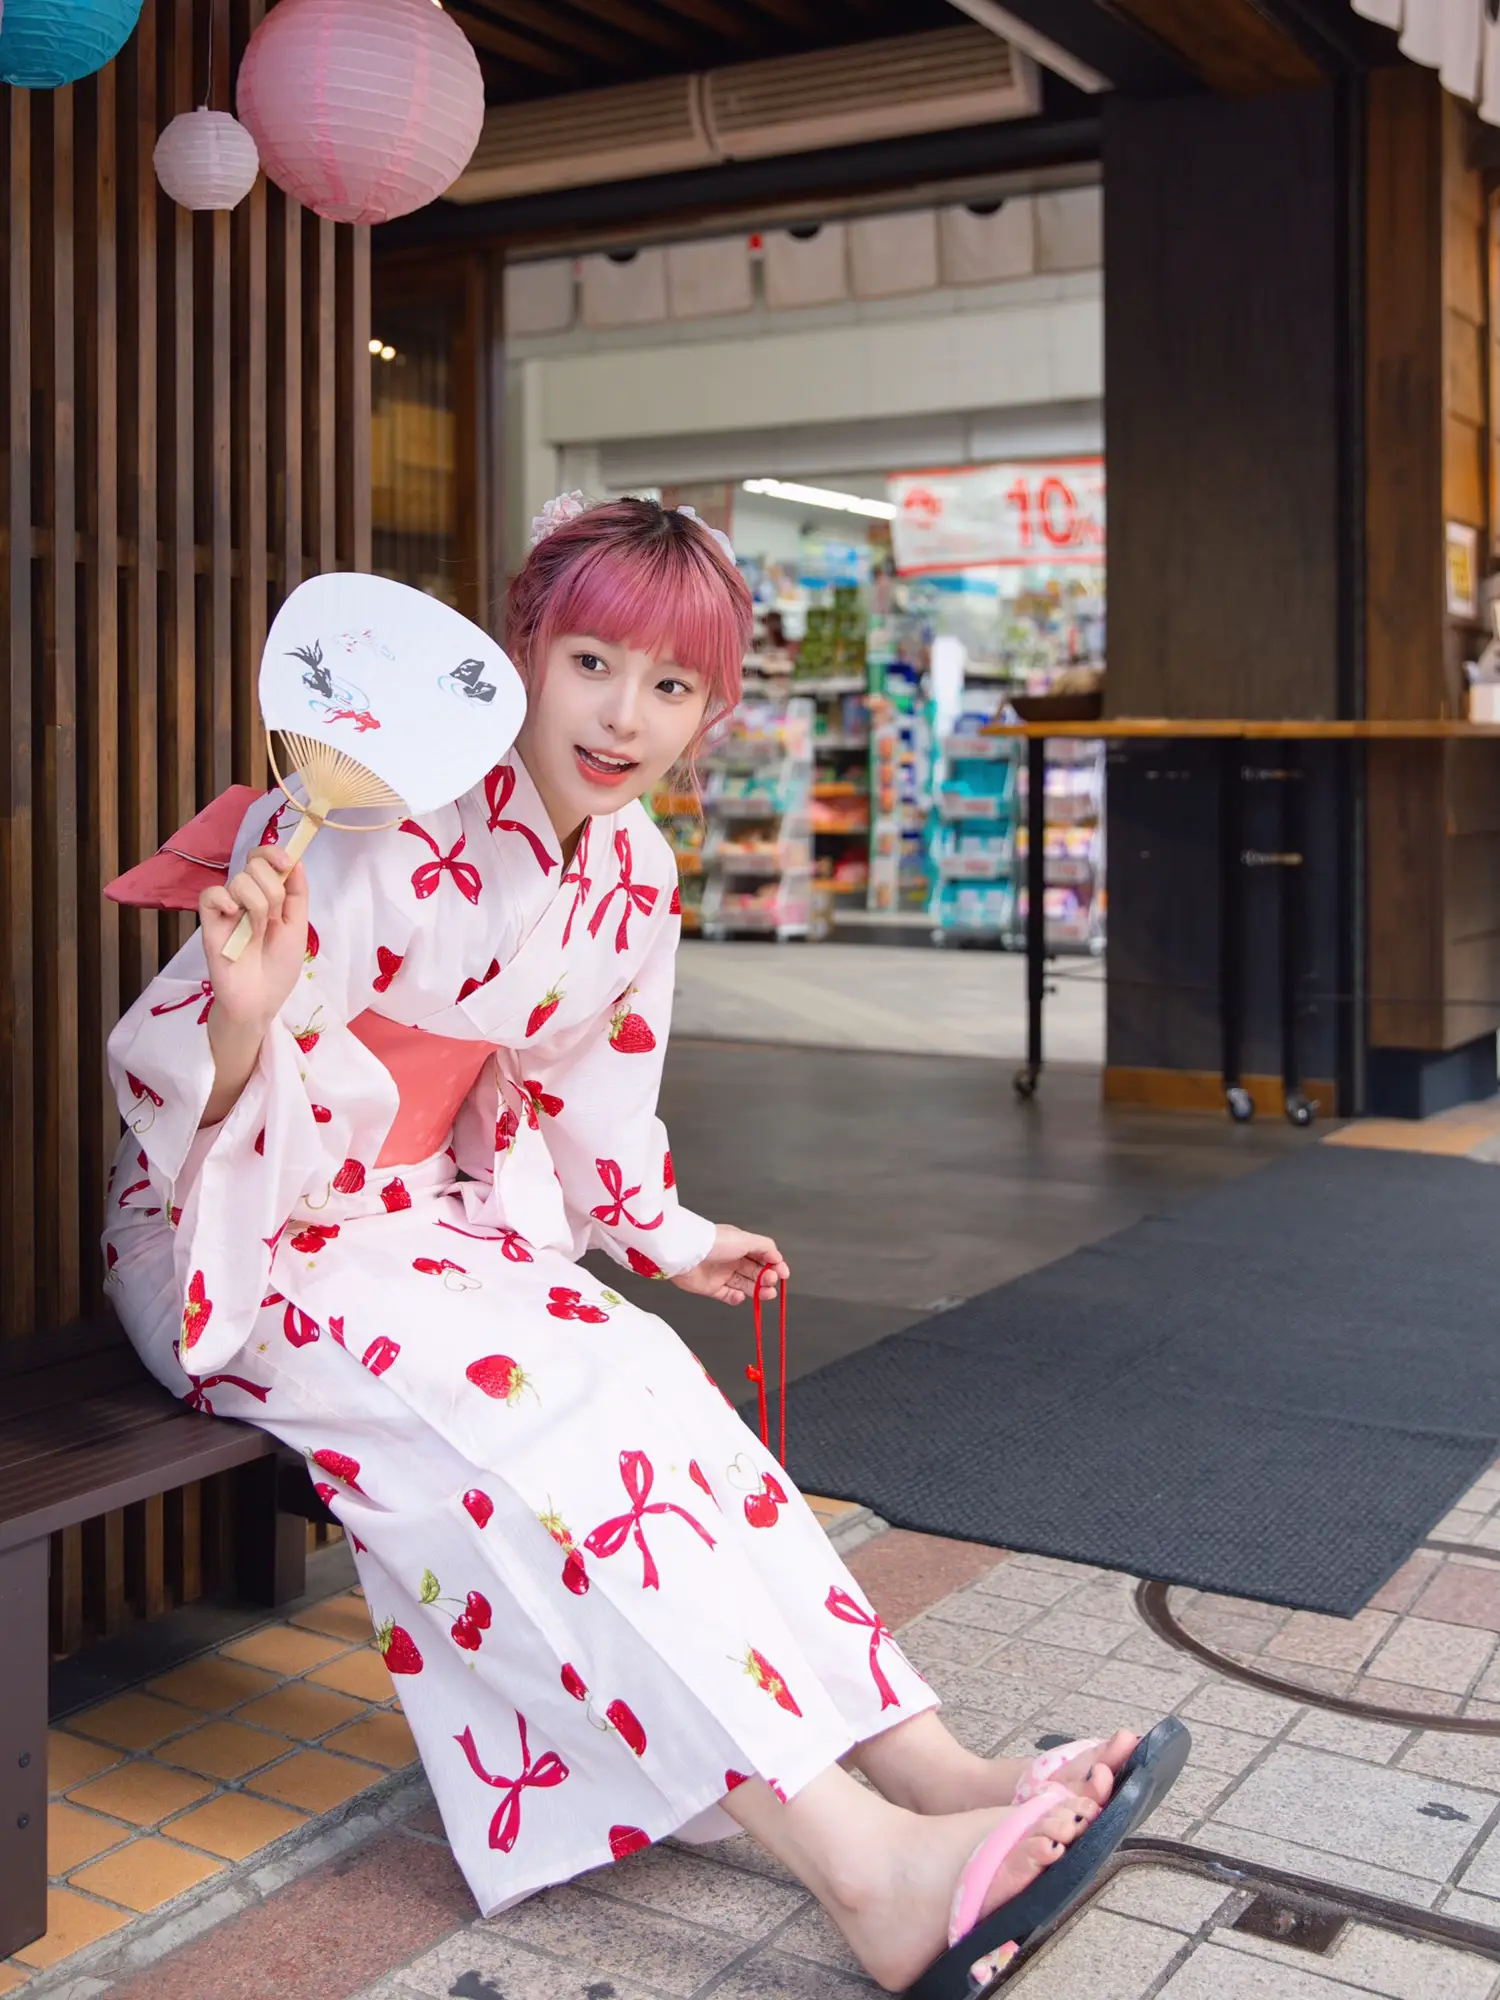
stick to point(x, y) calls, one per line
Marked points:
point(379, 704)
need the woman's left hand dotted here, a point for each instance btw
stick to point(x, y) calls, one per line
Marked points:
point(732, 1268)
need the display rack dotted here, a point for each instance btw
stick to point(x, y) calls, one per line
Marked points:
point(680, 817)
point(973, 835)
point(1075, 894)
point(758, 849)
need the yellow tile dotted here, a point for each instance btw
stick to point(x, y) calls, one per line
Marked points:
point(383, 1738)
point(12, 1977)
point(147, 1873)
point(284, 1650)
point(346, 1618)
point(143, 1792)
point(72, 1922)
point(224, 1750)
point(302, 1710)
point(133, 1721)
point(361, 1674)
point(70, 1760)
point(235, 1825)
point(74, 1837)
point(213, 1684)
point(314, 1781)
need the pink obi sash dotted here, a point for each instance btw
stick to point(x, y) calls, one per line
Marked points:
point(433, 1074)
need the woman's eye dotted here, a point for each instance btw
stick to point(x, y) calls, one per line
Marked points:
point(674, 687)
point(590, 662)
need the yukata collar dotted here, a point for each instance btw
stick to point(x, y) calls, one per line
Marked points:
point(518, 820)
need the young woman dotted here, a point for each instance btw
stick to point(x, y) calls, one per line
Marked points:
point(363, 1161)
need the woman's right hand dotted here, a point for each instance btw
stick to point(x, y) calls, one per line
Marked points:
point(250, 991)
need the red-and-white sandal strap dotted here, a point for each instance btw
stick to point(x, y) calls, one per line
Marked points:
point(1042, 1770)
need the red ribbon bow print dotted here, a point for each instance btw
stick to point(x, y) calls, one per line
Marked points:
point(197, 1395)
point(498, 787)
point(844, 1608)
point(577, 875)
point(548, 1770)
point(205, 993)
point(616, 1210)
point(426, 879)
point(638, 895)
point(611, 1536)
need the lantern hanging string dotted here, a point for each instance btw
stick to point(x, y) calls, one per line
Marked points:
point(208, 75)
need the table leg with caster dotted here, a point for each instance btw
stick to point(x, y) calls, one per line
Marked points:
point(1026, 1079)
point(1299, 1107)
point(1237, 1100)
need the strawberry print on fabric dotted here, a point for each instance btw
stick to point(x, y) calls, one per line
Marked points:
point(196, 1313)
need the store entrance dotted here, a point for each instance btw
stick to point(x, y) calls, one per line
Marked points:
point(855, 810)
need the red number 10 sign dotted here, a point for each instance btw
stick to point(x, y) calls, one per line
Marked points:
point(1041, 511)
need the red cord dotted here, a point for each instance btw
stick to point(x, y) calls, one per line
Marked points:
point(757, 1374)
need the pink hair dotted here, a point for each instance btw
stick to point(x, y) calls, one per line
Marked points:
point(635, 574)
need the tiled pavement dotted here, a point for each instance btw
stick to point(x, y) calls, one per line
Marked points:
point(1020, 1647)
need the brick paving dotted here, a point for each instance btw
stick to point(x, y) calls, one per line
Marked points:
point(1020, 1647)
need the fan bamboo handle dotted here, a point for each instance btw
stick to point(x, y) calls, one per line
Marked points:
point(296, 847)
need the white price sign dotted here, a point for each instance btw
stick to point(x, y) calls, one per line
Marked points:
point(1041, 511)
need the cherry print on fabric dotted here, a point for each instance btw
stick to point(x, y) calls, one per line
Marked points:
point(474, 1617)
point(625, 1840)
point(642, 1265)
point(844, 1608)
point(455, 1278)
point(380, 1353)
point(616, 1210)
point(395, 1196)
point(313, 1237)
point(350, 1177)
point(577, 875)
point(390, 963)
point(637, 895)
point(426, 879)
point(339, 1465)
point(610, 1536)
point(479, 1507)
point(543, 1103)
point(548, 1770)
point(668, 1172)
point(564, 1303)
point(498, 788)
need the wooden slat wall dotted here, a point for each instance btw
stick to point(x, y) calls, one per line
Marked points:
point(184, 423)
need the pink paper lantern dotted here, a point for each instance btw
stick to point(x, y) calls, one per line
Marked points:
point(362, 109)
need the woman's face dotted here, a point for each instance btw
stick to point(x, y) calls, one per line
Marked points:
point(604, 724)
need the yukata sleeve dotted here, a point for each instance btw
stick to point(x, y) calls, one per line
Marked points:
point(609, 1147)
point(229, 1188)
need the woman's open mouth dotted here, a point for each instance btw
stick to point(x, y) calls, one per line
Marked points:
point(602, 767)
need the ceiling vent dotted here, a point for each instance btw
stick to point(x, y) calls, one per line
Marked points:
point(874, 90)
point(588, 136)
point(791, 104)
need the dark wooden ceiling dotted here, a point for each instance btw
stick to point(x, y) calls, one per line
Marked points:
point(540, 48)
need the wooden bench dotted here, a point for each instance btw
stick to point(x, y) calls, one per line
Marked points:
point(84, 1430)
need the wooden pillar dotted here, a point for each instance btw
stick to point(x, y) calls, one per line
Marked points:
point(1433, 809)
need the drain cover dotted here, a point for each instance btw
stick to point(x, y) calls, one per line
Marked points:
point(1307, 1929)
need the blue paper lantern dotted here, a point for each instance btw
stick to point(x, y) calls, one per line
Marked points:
point(44, 43)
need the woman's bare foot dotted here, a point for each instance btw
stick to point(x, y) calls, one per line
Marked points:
point(886, 1876)
point(920, 1766)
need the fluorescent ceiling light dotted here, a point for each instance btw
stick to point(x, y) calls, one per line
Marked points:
point(1041, 48)
point(821, 496)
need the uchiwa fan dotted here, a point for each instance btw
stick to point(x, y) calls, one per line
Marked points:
point(386, 703)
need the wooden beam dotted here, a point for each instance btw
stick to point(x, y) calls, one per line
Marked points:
point(1229, 44)
point(563, 26)
point(639, 21)
point(487, 33)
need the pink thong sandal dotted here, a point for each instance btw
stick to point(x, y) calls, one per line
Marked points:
point(1042, 1770)
point(981, 1949)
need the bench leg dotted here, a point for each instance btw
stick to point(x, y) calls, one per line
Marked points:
point(23, 1746)
point(270, 1548)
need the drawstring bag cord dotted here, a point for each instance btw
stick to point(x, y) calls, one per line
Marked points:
point(757, 1372)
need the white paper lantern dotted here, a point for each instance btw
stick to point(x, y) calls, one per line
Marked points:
point(206, 159)
point(362, 109)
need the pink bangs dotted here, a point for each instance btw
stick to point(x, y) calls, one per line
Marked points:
point(635, 574)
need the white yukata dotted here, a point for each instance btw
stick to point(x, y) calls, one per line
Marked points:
point(604, 1602)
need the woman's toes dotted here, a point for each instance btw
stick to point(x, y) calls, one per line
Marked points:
point(1093, 1774)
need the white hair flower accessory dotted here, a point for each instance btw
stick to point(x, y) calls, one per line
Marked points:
point(564, 507)
point(718, 533)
